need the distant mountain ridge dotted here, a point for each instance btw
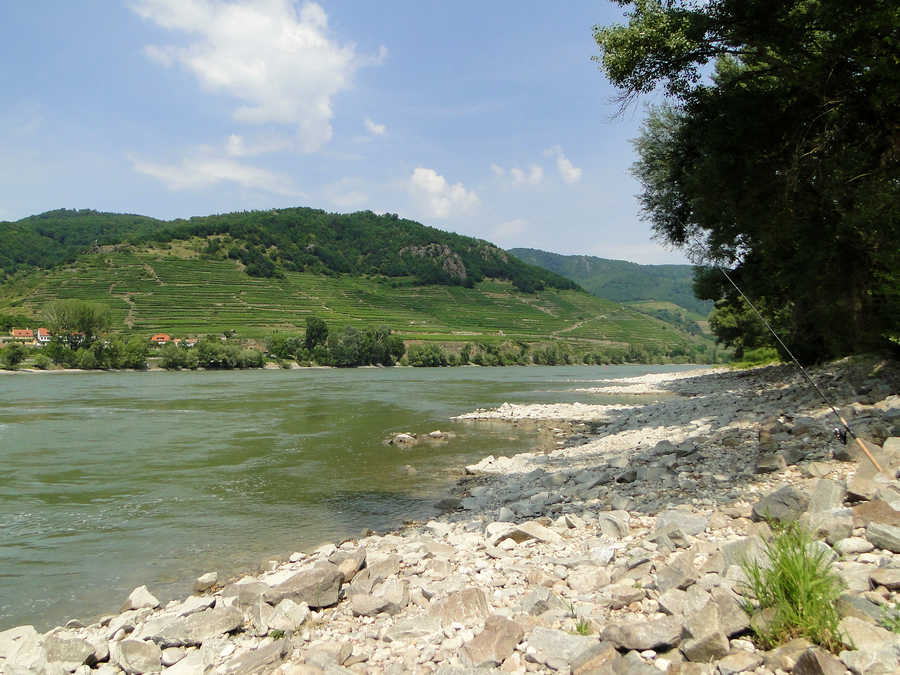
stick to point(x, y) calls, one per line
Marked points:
point(269, 243)
point(620, 280)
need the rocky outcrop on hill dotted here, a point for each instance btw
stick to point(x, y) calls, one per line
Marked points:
point(618, 552)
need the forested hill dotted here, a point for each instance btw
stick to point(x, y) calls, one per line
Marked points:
point(269, 243)
point(620, 280)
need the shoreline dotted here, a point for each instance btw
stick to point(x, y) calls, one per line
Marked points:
point(591, 530)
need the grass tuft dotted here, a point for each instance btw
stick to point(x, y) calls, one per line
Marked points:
point(800, 588)
point(890, 618)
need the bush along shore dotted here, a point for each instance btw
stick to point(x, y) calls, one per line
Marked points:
point(633, 546)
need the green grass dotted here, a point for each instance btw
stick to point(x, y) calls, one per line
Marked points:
point(890, 618)
point(800, 588)
point(155, 292)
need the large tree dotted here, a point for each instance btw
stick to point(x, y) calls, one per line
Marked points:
point(76, 322)
point(775, 154)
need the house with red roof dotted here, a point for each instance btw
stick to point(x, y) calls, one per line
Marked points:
point(160, 338)
point(22, 334)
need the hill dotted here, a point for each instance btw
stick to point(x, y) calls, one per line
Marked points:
point(270, 243)
point(264, 272)
point(623, 281)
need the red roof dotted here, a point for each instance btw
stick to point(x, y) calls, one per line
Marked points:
point(160, 337)
point(22, 333)
point(43, 332)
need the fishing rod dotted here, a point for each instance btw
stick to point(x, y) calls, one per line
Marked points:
point(838, 432)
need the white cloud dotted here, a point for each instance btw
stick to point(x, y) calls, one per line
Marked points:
point(510, 228)
point(377, 129)
point(437, 197)
point(194, 173)
point(569, 172)
point(534, 175)
point(283, 65)
point(347, 194)
point(237, 146)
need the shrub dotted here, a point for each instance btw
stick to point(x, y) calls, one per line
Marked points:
point(41, 362)
point(800, 588)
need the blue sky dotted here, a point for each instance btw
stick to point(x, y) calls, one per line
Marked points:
point(487, 118)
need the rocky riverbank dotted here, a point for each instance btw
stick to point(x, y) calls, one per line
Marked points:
point(617, 551)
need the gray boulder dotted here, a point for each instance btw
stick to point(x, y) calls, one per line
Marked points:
point(686, 521)
point(69, 650)
point(493, 644)
point(563, 651)
point(136, 656)
point(317, 586)
point(785, 504)
point(197, 628)
point(140, 598)
point(657, 634)
point(884, 536)
point(466, 607)
point(374, 574)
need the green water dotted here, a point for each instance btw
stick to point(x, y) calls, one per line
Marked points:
point(113, 480)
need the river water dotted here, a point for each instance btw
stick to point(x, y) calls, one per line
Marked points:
point(113, 480)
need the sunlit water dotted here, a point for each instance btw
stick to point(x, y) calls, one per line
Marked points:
point(113, 480)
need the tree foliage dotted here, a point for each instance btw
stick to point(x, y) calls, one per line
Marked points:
point(783, 163)
point(77, 322)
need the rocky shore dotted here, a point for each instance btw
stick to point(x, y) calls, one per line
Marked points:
point(618, 551)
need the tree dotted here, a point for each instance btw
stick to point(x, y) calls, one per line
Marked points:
point(12, 355)
point(783, 163)
point(316, 333)
point(76, 322)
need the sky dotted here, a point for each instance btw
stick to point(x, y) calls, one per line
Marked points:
point(484, 118)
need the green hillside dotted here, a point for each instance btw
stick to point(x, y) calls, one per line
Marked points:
point(623, 281)
point(259, 273)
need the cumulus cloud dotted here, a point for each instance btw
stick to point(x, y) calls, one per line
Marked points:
point(437, 197)
point(510, 228)
point(569, 172)
point(238, 146)
point(194, 173)
point(347, 194)
point(282, 65)
point(376, 129)
point(533, 176)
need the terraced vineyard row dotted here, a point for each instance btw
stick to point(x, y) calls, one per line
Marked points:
point(148, 293)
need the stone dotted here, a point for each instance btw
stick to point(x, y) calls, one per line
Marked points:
point(317, 586)
point(769, 463)
point(205, 581)
point(855, 575)
point(816, 661)
point(136, 656)
point(374, 573)
point(263, 659)
point(415, 627)
point(676, 519)
point(655, 634)
point(140, 598)
point(853, 546)
point(24, 650)
point(733, 620)
point(70, 651)
point(851, 604)
point(615, 524)
point(858, 634)
point(739, 662)
point(828, 525)
point(884, 661)
point(884, 536)
point(679, 574)
point(748, 549)
point(706, 640)
point(288, 616)
point(785, 504)
point(889, 577)
point(494, 644)
point(562, 651)
point(391, 597)
point(875, 511)
point(246, 594)
point(543, 600)
point(826, 495)
point(672, 601)
point(196, 628)
point(466, 606)
point(622, 595)
point(587, 580)
point(785, 657)
point(497, 532)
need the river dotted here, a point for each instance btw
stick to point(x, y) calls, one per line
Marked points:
point(114, 480)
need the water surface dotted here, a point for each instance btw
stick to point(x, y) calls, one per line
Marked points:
point(113, 480)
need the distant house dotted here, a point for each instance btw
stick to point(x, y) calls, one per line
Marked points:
point(190, 342)
point(160, 338)
point(22, 334)
point(43, 336)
